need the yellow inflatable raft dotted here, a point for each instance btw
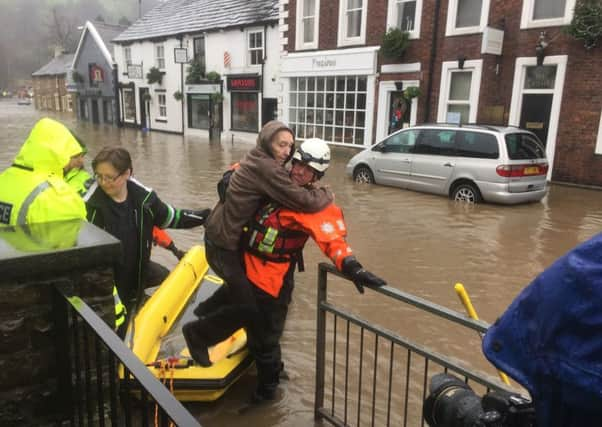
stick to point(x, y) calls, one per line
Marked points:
point(156, 334)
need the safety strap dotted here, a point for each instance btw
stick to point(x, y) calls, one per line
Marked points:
point(22, 217)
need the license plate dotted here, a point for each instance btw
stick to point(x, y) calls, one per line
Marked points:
point(531, 170)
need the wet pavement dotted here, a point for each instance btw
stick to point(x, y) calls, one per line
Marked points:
point(422, 244)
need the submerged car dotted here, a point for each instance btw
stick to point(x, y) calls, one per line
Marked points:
point(469, 163)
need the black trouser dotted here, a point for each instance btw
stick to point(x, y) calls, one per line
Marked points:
point(233, 305)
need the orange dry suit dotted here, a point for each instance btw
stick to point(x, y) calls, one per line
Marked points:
point(276, 238)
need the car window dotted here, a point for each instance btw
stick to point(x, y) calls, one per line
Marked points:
point(477, 144)
point(437, 142)
point(522, 146)
point(400, 142)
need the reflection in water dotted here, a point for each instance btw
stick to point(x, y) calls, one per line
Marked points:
point(421, 244)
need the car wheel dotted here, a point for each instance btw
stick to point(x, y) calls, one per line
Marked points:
point(466, 192)
point(363, 175)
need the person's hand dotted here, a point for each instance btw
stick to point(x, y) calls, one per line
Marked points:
point(358, 275)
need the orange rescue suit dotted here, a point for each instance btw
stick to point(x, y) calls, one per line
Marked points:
point(327, 228)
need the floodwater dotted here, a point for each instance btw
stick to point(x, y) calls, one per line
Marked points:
point(419, 243)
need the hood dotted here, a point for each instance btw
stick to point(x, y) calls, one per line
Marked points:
point(550, 340)
point(268, 131)
point(48, 148)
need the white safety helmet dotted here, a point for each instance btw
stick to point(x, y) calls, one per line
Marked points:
point(315, 153)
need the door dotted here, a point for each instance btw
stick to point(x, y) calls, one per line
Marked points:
point(215, 120)
point(399, 112)
point(535, 114)
point(434, 160)
point(392, 159)
point(95, 117)
point(269, 110)
point(144, 97)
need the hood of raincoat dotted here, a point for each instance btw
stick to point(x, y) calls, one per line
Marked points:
point(48, 148)
point(550, 337)
point(264, 138)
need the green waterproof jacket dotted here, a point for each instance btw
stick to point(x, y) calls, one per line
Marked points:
point(32, 189)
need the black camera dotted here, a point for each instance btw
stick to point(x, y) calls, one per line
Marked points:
point(452, 403)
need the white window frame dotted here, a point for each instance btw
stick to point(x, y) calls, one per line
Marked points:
point(526, 20)
point(160, 56)
point(249, 49)
point(476, 67)
point(300, 32)
point(598, 149)
point(127, 56)
point(384, 100)
point(452, 11)
point(392, 17)
point(343, 40)
point(161, 106)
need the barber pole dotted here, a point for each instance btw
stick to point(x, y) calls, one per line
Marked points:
point(227, 60)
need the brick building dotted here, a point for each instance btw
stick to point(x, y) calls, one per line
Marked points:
point(472, 60)
point(50, 84)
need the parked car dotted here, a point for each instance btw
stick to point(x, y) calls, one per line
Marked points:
point(469, 163)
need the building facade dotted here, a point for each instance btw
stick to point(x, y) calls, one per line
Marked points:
point(50, 84)
point(473, 61)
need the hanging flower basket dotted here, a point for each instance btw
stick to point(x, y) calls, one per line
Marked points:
point(154, 75)
point(178, 95)
point(411, 92)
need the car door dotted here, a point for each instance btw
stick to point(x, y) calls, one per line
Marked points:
point(393, 159)
point(433, 160)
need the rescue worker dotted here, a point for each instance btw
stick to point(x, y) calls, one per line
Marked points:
point(76, 176)
point(32, 189)
point(272, 245)
point(128, 210)
point(260, 176)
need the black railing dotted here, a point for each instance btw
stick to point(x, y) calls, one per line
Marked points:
point(92, 391)
point(381, 378)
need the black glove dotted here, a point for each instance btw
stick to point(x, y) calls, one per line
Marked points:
point(179, 254)
point(189, 219)
point(354, 271)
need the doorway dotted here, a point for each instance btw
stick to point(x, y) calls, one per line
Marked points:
point(269, 110)
point(95, 118)
point(535, 114)
point(144, 97)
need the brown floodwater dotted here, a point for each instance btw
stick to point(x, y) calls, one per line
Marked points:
point(419, 243)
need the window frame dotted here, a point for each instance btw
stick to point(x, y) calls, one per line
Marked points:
point(250, 50)
point(343, 40)
point(200, 41)
point(447, 68)
point(161, 105)
point(127, 56)
point(300, 29)
point(526, 20)
point(392, 17)
point(598, 148)
point(160, 60)
point(452, 11)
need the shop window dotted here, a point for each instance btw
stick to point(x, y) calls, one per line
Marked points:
point(544, 13)
point(405, 15)
point(198, 111)
point(162, 105)
point(255, 39)
point(129, 105)
point(307, 24)
point(466, 16)
point(160, 56)
point(331, 108)
point(352, 22)
point(199, 51)
point(459, 92)
point(245, 112)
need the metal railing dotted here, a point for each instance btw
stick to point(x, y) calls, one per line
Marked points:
point(380, 378)
point(91, 391)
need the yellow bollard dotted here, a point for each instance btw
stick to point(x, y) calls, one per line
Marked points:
point(465, 299)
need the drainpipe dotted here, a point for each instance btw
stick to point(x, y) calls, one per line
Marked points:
point(181, 37)
point(116, 91)
point(265, 45)
point(429, 87)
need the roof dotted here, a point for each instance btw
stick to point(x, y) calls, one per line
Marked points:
point(59, 65)
point(189, 16)
point(102, 34)
point(108, 32)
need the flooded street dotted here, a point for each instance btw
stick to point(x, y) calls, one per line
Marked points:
point(421, 244)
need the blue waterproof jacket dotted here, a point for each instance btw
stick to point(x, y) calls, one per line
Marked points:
point(550, 339)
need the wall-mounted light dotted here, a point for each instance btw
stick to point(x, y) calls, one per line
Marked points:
point(540, 48)
point(399, 86)
point(461, 60)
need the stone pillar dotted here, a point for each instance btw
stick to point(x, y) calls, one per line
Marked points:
point(33, 260)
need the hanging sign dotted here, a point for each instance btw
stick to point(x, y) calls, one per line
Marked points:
point(135, 71)
point(180, 55)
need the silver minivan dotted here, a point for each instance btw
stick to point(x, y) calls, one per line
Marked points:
point(470, 163)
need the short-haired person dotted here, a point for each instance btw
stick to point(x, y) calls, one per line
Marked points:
point(261, 176)
point(128, 210)
point(273, 245)
point(32, 189)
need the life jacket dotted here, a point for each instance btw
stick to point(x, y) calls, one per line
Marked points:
point(265, 237)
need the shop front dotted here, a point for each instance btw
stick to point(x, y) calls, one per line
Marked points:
point(244, 101)
point(330, 94)
point(203, 106)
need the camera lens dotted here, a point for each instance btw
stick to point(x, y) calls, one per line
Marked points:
point(452, 403)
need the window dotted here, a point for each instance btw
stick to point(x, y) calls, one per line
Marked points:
point(127, 55)
point(459, 93)
point(199, 51)
point(245, 111)
point(466, 16)
point(307, 24)
point(129, 105)
point(160, 56)
point(198, 111)
point(477, 145)
point(331, 108)
point(543, 13)
point(522, 146)
point(405, 15)
point(162, 105)
point(352, 22)
point(436, 142)
point(401, 142)
point(255, 47)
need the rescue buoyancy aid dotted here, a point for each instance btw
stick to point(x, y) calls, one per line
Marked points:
point(265, 237)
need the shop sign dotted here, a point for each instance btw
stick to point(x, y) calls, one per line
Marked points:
point(244, 83)
point(135, 71)
point(203, 88)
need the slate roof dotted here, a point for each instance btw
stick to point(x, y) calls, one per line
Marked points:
point(108, 32)
point(59, 65)
point(189, 16)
